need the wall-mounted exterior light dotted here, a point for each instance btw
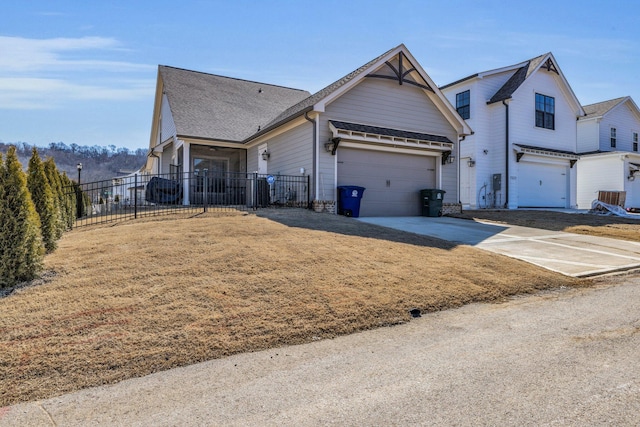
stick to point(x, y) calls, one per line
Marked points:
point(332, 145)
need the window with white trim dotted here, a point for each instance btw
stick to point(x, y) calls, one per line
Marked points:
point(635, 141)
point(613, 137)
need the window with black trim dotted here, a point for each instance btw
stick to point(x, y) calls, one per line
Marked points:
point(635, 141)
point(613, 137)
point(545, 111)
point(463, 103)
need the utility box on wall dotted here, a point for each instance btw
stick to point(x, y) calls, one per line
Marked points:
point(496, 183)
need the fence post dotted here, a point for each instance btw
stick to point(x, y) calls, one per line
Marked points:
point(308, 191)
point(255, 191)
point(135, 196)
point(79, 202)
point(205, 187)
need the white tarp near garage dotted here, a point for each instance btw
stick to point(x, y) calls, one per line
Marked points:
point(392, 180)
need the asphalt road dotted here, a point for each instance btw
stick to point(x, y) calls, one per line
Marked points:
point(565, 357)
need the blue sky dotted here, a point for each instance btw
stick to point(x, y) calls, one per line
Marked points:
point(84, 72)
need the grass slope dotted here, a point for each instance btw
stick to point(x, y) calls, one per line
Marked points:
point(134, 298)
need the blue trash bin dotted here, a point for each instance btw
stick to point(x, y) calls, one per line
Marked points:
point(349, 197)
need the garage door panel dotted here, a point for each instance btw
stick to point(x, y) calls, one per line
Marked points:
point(392, 180)
point(542, 185)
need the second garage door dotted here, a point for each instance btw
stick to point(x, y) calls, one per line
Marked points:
point(542, 185)
point(392, 180)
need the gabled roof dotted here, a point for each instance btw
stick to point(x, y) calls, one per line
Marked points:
point(308, 103)
point(318, 100)
point(222, 108)
point(523, 71)
point(600, 109)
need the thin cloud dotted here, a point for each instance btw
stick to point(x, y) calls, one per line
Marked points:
point(31, 55)
point(50, 73)
point(40, 94)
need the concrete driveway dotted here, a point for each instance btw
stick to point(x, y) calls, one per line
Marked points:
point(567, 253)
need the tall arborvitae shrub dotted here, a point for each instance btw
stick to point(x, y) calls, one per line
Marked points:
point(70, 199)
point(53, 177)
point(43, 200)
point(21, 248)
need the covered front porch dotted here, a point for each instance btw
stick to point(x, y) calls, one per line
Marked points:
point(216, 175)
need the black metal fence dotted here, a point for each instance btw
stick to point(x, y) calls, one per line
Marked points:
point(141, 195)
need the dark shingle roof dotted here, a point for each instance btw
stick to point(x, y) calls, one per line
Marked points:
point(600, 108)
point(388, 132)
point(507, 90)
point(223, 108)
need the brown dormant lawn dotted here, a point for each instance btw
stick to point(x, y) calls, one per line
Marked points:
point(590, 224)
point(129, 299)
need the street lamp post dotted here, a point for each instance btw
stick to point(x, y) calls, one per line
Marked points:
point(79, 194)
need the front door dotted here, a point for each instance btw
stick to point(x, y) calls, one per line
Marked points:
point(209, 179)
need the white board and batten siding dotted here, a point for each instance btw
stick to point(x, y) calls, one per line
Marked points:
point(607, 172)
point(588, 135)
point(557, 188)
point(625, 123)
point(598, 173)
point(385, 103)
point(486, 146)
point(522, 113)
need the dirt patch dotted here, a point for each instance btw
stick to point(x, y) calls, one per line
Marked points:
point(589, 224)
point(146, 296)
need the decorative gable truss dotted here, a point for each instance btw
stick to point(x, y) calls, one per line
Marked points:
point(401, 70)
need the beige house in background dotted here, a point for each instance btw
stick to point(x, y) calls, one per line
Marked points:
point(385, 126)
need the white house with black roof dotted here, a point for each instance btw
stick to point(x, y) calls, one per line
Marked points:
point(385, 126)
point(608, 143)
point(523, 151)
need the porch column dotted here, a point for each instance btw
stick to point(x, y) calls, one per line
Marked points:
point(186, 168)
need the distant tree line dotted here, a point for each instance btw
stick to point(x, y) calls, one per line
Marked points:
point(99, 163)
point(36, 207)
point(95, 152)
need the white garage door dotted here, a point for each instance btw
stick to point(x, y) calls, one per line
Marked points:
point(542, 185)
point(393, 181)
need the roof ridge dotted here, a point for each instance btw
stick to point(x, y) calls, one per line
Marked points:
point(605, 101)
point(230, 78)
point(309, 101)
point(519, 65)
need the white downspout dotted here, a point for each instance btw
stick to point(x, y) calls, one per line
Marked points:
point(317, 165)
point(186, 153)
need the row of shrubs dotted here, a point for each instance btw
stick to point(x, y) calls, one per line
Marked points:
point(36, 208)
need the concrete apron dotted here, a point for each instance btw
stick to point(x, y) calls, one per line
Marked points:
point(567, 253)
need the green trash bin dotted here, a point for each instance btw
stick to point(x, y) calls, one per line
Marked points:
point(431, 200)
